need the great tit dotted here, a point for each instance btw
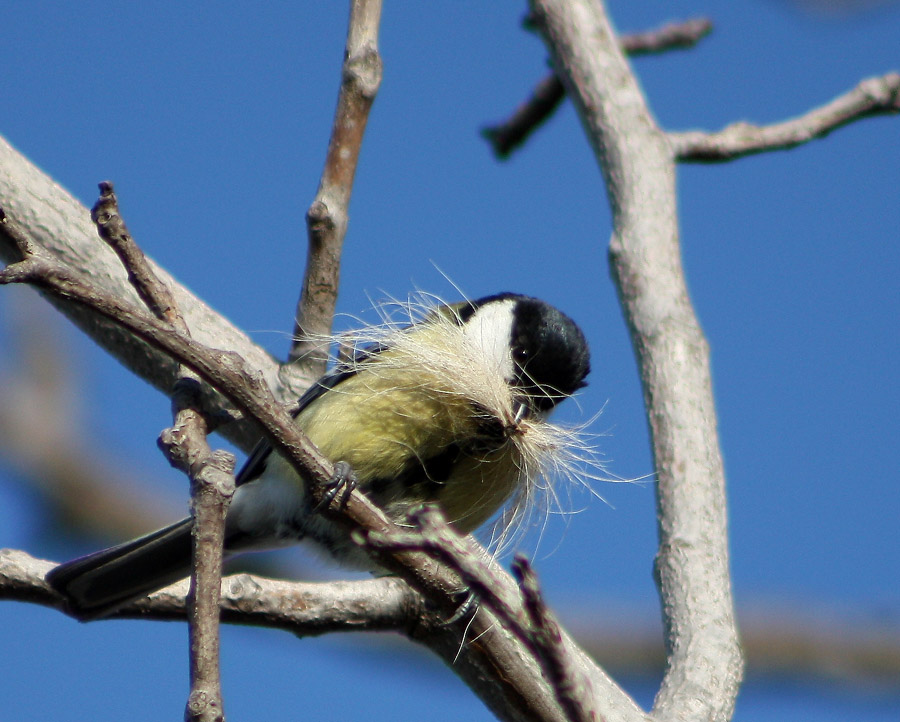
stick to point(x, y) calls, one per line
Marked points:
point(451, 409)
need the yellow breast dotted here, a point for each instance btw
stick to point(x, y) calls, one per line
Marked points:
point(384, 429)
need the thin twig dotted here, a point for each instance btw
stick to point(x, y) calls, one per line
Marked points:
point(112, 229)
point(211, 473)
point(507, 136)
point(677, 35)
point(549, 92)
point(212, 486)
point(572, 689)
point(328, 215)
point(873, 96)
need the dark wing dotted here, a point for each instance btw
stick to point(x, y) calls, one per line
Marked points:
point(256, 462)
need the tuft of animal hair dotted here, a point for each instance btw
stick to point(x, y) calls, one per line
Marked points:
point(447, 362)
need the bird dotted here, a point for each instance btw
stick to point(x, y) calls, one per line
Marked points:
point(451, 409)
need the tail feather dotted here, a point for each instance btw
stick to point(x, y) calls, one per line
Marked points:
point(97, 584)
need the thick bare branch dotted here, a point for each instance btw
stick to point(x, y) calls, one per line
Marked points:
point(57, 223)
point(873, 96)
point(328, 215)
point(481, 652)
point(793, 644)
point(704, 659)
point(549, 92)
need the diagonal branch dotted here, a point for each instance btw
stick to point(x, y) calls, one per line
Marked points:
point(328, 215)
point(520, 609)
point(873, 96)
point(60, 226)
point(549, 92)
point(572, 691)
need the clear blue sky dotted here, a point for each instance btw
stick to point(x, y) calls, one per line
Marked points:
point(212, 120)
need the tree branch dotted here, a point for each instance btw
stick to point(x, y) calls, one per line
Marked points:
point(328, 215)
point(212, 486)
point(704, 662)
point(549, 92)
point(112, 229)
point(302, 608)
point(185, 446)
point(792, 644)
point(480, 651)
point(873, 96)
point(224, 370)
point(53, 220)
point(576, 683)
point(572, 690)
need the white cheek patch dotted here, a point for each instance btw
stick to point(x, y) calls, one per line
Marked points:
point(489, 330)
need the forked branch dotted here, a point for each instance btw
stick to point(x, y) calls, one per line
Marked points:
point(505, 137)
point(704, 663)
point(211, 472)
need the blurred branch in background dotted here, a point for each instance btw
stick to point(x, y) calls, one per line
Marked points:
point(838, 9)
point(46, 440)
point(815, 646)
